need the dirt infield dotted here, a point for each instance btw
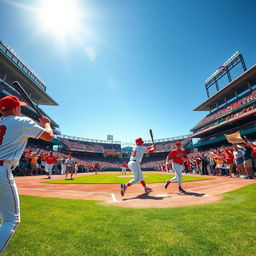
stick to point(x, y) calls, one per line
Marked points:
point(199, 192)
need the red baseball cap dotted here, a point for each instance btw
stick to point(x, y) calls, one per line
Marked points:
point(139, 141)
point(178, 143)
point(9, 102)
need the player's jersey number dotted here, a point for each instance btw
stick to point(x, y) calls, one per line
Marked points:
point(134, 152)
point(2, 133)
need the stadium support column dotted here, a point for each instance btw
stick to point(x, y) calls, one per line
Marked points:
point(207, 92)
point(229, 76)
point(216, 83)
point(243, 63)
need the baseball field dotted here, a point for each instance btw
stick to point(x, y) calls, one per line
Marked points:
point(217, 217)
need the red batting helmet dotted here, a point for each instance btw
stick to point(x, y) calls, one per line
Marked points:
point(139, 141)
point(178, 143)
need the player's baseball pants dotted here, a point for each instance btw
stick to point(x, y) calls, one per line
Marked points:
point(178, 172)
point(63, 168)
point(137, 173)
point(48, 168)
point(9, 206)
point(123, 170)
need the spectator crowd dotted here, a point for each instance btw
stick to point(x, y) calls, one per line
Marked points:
point(238, 160)
point(226, 113)
point(42, 162)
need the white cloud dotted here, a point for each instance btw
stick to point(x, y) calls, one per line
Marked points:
point(90, 53)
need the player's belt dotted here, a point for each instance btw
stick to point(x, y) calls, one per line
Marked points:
point(133, 160)
point(1, 162)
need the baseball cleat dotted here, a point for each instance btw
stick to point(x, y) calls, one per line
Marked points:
point(166, 184)
point(147, 189)
point(123, 188)
point(181, 191)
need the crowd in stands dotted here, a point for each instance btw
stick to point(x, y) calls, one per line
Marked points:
point(34, 161)
point(81, 145)
point(225, 110)
point(166, 146)
point(243, 112)
point(236, 160)
point(90, 146)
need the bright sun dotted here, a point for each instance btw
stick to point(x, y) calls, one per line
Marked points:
point(61, 17)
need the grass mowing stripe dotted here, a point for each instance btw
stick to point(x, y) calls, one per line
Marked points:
point(118, 179)
point(78, 227)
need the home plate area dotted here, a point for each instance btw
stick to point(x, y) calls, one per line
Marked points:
point(197, 192)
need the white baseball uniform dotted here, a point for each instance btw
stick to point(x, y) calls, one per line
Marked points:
point(134, 163)
point(63, 166)
point(14, 133)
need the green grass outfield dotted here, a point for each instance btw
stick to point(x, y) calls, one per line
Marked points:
point(70, 227)
point(118, 179)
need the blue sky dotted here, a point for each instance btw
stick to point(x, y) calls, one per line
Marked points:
point(128, 66)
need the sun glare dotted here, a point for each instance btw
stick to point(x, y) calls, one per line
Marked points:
point(60, 17)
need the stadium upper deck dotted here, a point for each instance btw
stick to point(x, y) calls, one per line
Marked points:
point(13, 68)
point(232, 108)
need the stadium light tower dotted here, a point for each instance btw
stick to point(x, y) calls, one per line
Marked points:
point(227, 72)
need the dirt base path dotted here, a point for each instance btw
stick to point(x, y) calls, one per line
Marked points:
point(199, 192)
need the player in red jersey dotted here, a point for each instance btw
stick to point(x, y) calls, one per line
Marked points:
point(50, 160)
point(178, 156)
point(124, 167)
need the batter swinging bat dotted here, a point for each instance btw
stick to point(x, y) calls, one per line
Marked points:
point(24, 94)
point(151, 135)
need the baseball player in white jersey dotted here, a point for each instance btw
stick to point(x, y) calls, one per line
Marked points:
point(14, 133)
point(70, 167)
point(134, 165)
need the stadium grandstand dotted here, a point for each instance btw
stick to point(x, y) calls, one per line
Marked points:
point(231, 104)
point(77, 144)
point(13, 68)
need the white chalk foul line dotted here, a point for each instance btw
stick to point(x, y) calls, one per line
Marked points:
point(113, 197)
point(79, 191)
point(162, 195)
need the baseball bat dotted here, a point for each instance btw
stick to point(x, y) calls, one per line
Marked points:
point(151, 135)
point(16, 85)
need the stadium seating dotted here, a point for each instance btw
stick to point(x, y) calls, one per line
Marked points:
point(87, 146)
point(166, 146)
point(231, 117)
point(227, 109)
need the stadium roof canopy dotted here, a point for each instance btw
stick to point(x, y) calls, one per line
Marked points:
point(230, 91)
point(12, 68)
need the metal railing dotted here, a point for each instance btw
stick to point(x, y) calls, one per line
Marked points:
point(9, 53)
